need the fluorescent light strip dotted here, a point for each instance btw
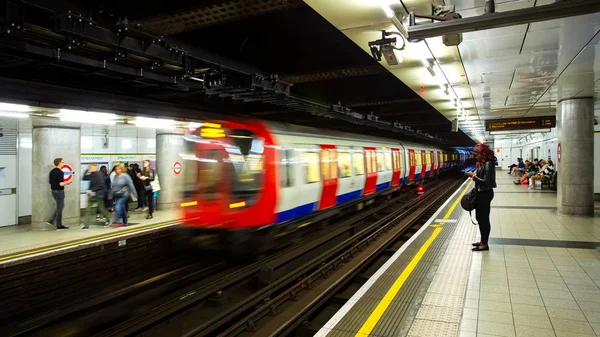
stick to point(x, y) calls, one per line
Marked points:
point(87, 117)
point(154, 123)
point(13, 114)
point(14, 107)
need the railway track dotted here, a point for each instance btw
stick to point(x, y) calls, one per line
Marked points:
point(214, 297)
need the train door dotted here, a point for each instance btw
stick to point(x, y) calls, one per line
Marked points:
point(433, 162)
point(329, 171)
point(347, 186)
point(396, 166)
point(412, 163)
point(371, 166)
point(424, 163)
point(439, 162)
point(384, 168)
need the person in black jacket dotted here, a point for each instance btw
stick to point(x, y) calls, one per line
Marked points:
point(57, 184)
point(485, 182)
point(147, 178)
point(96, 194)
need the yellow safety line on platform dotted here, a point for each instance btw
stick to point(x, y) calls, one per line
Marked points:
point(94, 238)
point(385, 302)
point(451, 209)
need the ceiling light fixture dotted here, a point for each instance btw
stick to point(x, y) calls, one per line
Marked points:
point(154, 123)
point(87, 117)
point(14, 107)
point(13, 114)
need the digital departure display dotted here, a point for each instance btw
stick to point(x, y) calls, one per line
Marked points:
point(520, 123)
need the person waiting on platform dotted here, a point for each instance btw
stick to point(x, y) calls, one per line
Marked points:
point(485, 182)
point(120, 191)
point(530, 172)
point(147, 177)
point(546, 171)
point(95, 194)
point(57, 184)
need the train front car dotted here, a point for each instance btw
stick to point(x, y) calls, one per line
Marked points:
point(228, 194)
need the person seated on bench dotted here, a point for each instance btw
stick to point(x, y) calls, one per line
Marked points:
point(514, 169)
point(546, 171)
point(529, 172)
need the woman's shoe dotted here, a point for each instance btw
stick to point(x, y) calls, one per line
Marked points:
point(476, 244)
point(149, 217)
point(479, 249)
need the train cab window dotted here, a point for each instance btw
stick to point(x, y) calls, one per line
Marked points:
point(344, 164)
point(329, 166)
point(287, 167)
point(246, 155)
point(311, 161)
point(358, 163)
point(388, 160)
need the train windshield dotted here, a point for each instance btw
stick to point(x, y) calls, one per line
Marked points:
point(230, 165)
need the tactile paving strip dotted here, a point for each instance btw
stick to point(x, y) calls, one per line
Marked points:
point(445, 314)
point(433, 329)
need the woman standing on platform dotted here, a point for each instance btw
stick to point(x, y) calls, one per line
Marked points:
point(485, 182)
point(122, 188)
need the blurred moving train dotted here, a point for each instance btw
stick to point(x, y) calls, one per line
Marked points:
point(248, 182)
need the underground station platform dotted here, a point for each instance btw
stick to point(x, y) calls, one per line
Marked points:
point(539, 278)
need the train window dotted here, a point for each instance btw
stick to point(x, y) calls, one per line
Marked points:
point(388, 160)
point(418, 159)
point(344, 164)
point(371, 158)
point(380, 162)
point(411, 156)
point(311, 161)
point(287, 167)
point(398, 160)
point(428, 158)
point(358, 162)
point(328, 164)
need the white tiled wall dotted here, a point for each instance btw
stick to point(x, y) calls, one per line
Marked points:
point(25, 172)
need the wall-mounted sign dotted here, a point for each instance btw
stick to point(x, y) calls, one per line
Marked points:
point(558, 152)
point(520, 123)
point(177, 167)
point(68, 173)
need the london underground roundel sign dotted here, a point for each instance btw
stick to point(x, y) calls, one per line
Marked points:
point(558, 151)
point(177, 167)
point(68, 173)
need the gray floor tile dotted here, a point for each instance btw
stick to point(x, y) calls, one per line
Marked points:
point(526, 299)
point(561, 303)
point(580, 327)
point(526, 309)
point(572, 334)
point(592, 316)
point(584, 289)
point(495, 316)
point(550, 293)
point(523, 291)
point(552, 286)
point(498, 297)
point(532, 321)
point(496, 329)
point(586, 297)
point(589, 306)
point(529, 331)
point(463, 333)
point(468, 325)
point(470, 313)
point(576, 315)
point(549, 279)
point(492, 288)
point(579, 281)
point(495, 306)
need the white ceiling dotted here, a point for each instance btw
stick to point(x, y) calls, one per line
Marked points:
point(498, 73)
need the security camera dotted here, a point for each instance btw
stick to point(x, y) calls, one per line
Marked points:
point(387, 48)
point(595, 122)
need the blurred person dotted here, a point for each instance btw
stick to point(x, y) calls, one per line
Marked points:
point(95, 193)
point(122, 188)
point(107, 184)
point(519, 167)
point(147, 177)
point(57, 184)
point(155, 188)
point(530, 171)
point(485, 182)
point(139, 185)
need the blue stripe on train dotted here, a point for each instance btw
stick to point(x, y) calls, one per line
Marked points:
point(382, 186)
point(417, 176)
point(348, 197)
point(297, 212)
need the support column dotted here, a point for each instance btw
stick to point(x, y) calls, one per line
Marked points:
point(576, 166)
point(575, 120)
point(51, 142)
point(168, 148)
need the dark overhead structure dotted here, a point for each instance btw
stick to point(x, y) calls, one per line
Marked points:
point(242, 58)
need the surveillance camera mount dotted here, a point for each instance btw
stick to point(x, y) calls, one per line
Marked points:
point(385, 42)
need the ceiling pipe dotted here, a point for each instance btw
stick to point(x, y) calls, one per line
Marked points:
point(557, 10)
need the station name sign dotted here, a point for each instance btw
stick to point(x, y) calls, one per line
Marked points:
point(520, 123)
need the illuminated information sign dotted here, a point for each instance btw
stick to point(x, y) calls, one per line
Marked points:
point(520, 123)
